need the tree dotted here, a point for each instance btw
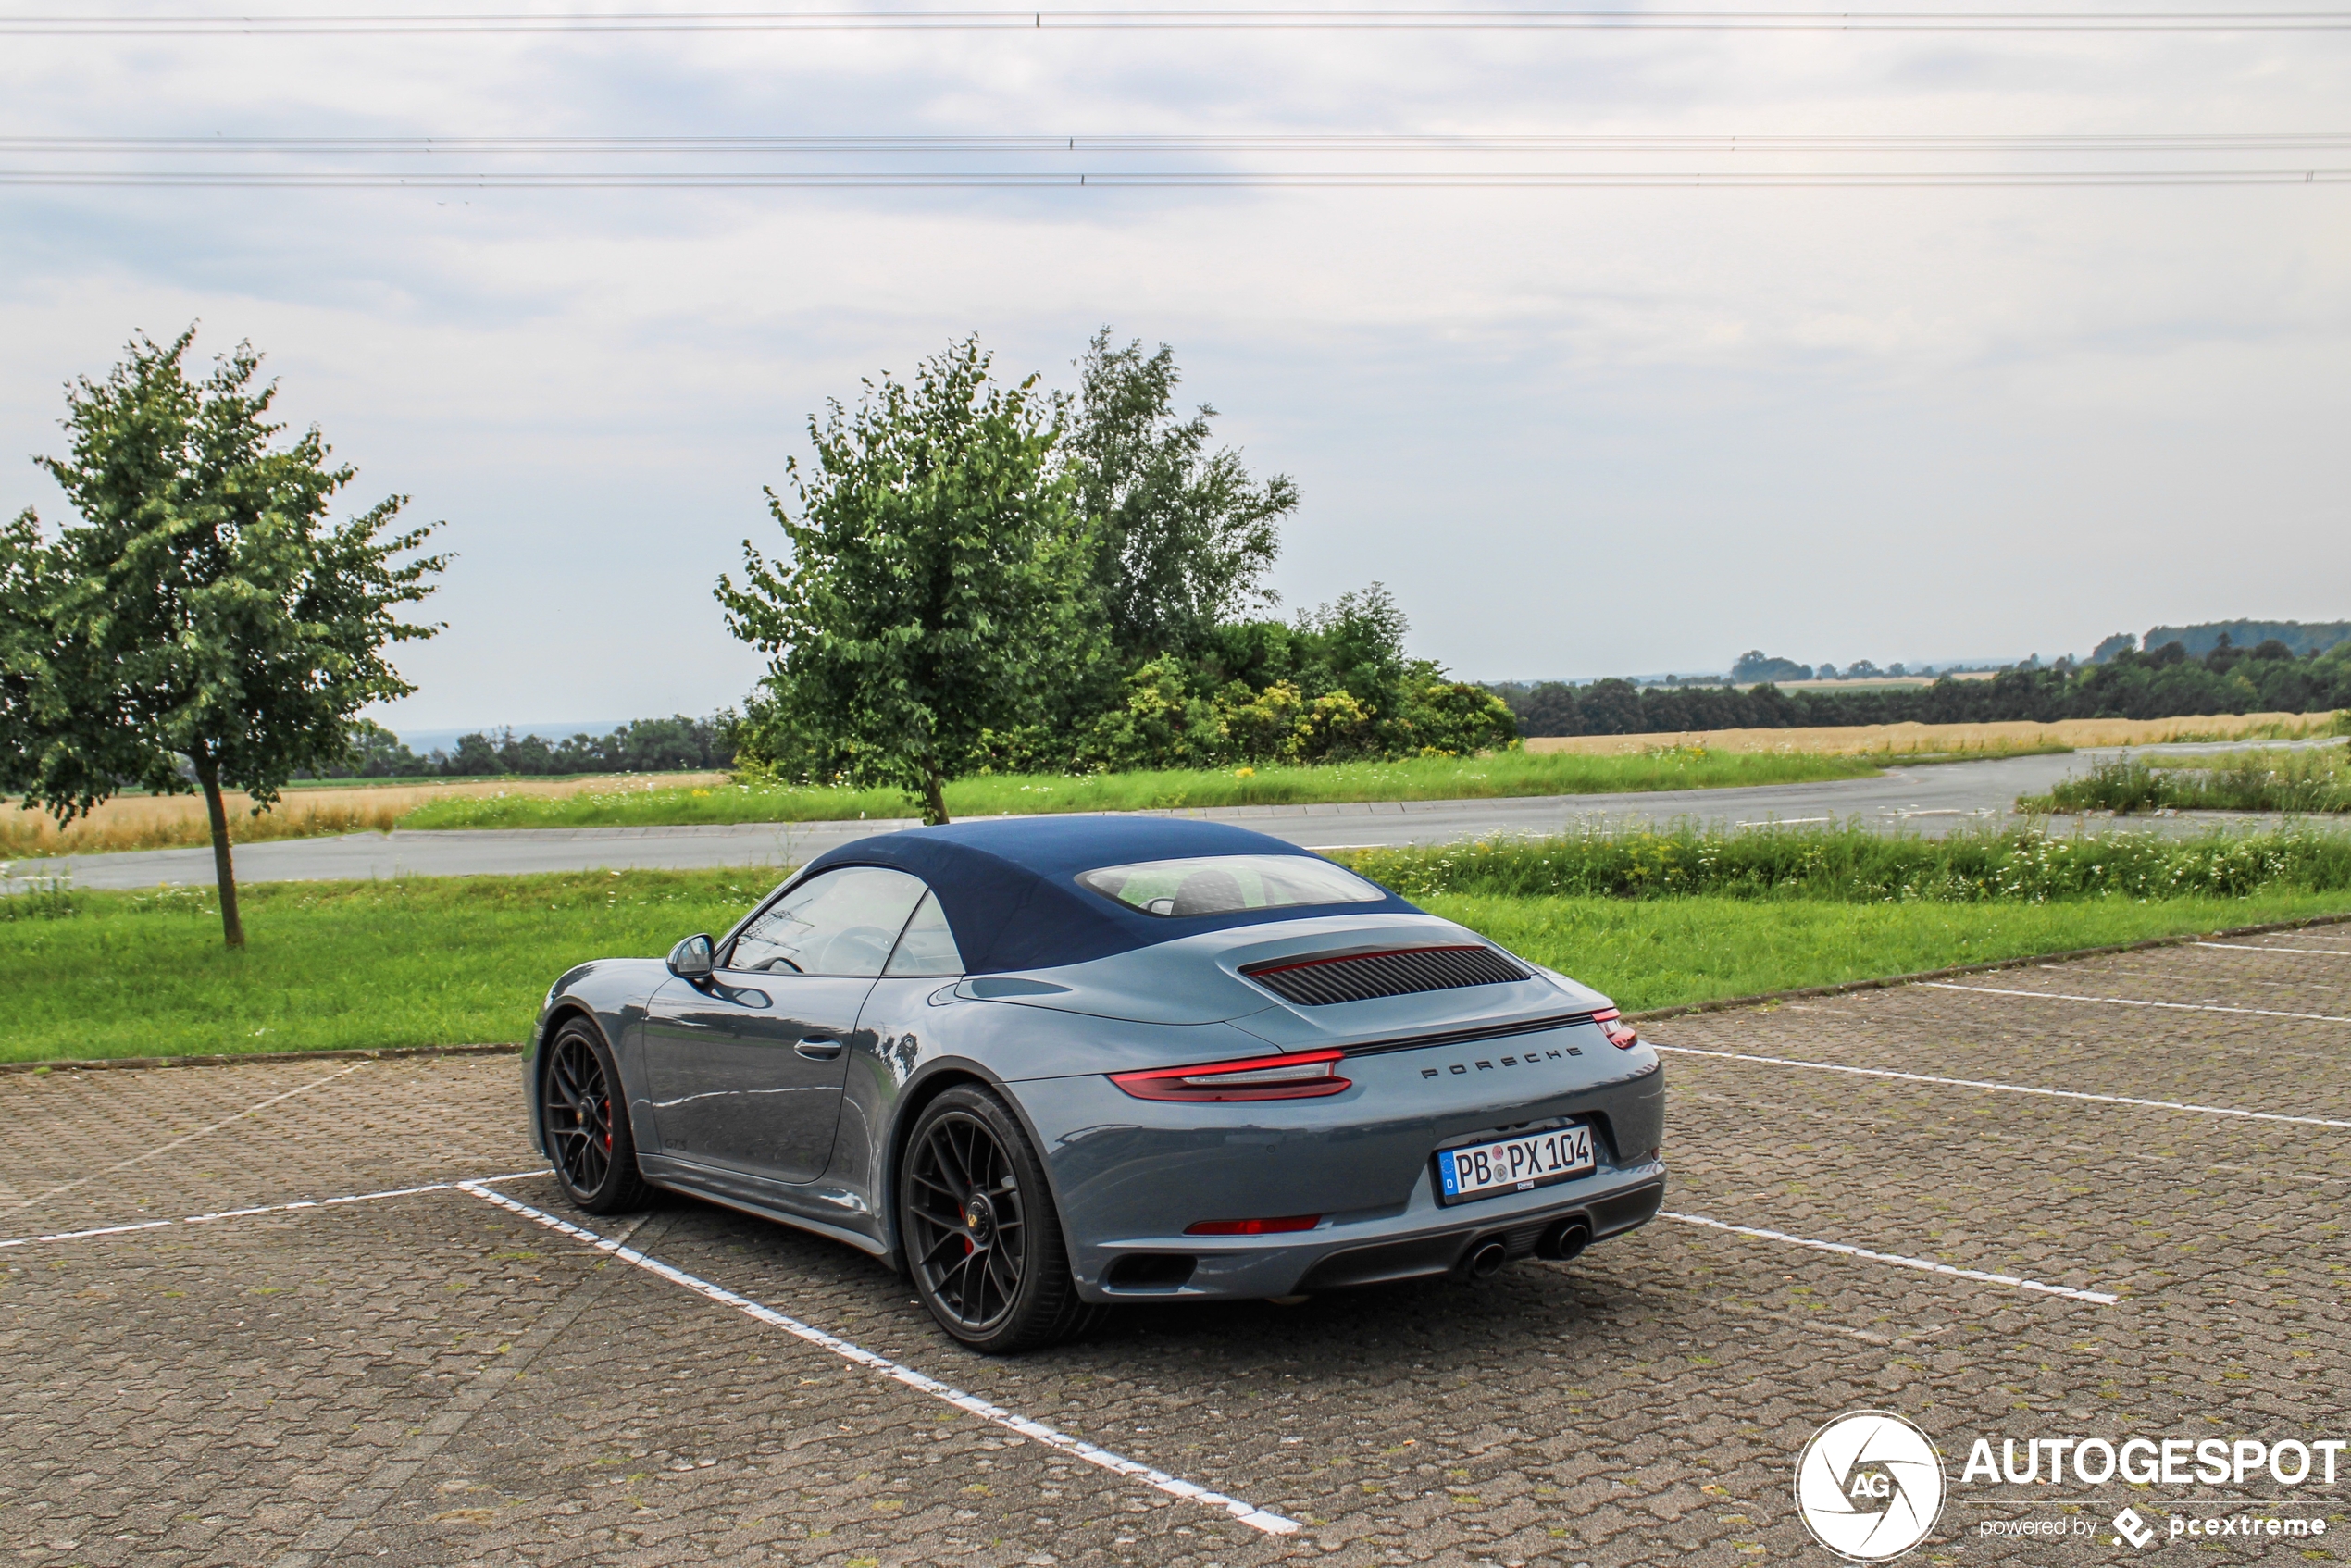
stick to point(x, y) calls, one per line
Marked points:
point(203, 612)
point(1183, 536)
point(2120, 642)
point(376, 752)
point(935, 581)
point(1756, 666)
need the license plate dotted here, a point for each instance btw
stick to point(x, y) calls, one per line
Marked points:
point(1514, 1164)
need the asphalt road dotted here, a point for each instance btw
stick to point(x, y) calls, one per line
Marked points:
point(248, 1316)
point(1933, 799)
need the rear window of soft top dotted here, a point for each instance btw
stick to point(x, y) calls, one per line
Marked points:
point(1229, 884)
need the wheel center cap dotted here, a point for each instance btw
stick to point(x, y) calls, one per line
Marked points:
point(980, 1216)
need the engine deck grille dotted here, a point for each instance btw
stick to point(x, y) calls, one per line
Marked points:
point(1360, 977)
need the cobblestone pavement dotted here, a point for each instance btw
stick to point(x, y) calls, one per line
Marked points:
point(430, 1378)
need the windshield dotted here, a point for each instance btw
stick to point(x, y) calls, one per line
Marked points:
point(1224, 884)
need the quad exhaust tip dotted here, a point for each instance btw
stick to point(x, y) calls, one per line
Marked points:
point(1565, 1240)
point(1560, 1241)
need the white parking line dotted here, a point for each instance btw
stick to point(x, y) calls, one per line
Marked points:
point(186, 1137)
point(2257, 947)
point(2004, 1088)
point(2133, 1002)
point(79, 1235)
point(1248, 1513)
point(1928, 1264)
point(261, 1209)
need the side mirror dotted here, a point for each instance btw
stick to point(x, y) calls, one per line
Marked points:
point(692, 959)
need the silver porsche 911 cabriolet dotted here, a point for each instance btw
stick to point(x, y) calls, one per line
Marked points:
point(1047, 1063)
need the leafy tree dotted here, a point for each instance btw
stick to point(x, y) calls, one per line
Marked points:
point(1756, 666)
point(2120, 642)
point(376, 752)
point(1183, 535)
point(1547, 708)
point(203, 612)
point(934, 586)
point(1611, 707)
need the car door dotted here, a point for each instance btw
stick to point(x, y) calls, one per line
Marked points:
point(746, 1067)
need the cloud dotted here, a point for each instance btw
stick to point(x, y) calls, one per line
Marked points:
point(1579, 430)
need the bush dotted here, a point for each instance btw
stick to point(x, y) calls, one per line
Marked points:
point(1853, 865)
point(1334, 686)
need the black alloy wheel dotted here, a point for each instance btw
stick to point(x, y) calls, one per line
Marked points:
point(587, 1133)
point(978, 1226)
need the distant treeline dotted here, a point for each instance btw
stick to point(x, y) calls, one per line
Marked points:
point(2299, 637)
point(2166, 683)
point(647, 745)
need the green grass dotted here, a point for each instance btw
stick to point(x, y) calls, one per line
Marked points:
point(1667, 951)
point(466, 960)
point(1418, 779)
point(422, 961)
point(2296, 779)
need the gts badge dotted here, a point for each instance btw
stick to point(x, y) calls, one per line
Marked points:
point(1529, 1059)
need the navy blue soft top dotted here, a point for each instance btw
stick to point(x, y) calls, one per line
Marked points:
point(1009, 890)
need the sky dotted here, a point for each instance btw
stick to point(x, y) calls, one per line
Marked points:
point(1577, 431)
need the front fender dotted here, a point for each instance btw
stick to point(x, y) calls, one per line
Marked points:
point(612, 994)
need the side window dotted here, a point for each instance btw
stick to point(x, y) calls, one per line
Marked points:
point(840, 923)
point(929, 947)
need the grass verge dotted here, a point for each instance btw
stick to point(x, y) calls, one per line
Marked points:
point(1671, 951)
point(2308, 779)
point(1418, 778)
point(461, 960)
point(1852, 865)
point(422, 961)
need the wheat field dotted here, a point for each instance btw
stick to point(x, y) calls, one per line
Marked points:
point(162, 822)
point(1943, 739)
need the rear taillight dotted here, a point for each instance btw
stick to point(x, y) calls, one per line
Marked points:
point(1298, 1076)
point(1621, 1034)
point(1254, 1227)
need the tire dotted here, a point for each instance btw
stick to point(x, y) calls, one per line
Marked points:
point(587, 1134)
point(981, 1235)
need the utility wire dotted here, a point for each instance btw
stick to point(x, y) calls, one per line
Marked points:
point(1135, 179)
point(1540, 19)
point(381, 146)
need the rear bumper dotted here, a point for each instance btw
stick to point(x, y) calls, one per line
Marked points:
point(1425, 1241)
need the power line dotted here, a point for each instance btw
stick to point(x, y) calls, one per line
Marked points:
point(1151, 179)
point(426, 146)
point(1542, 19)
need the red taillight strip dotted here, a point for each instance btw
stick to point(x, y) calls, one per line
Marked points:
point(1288, 1076)
point(1621, 1034)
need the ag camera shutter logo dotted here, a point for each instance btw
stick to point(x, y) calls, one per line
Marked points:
point(1869, 1486)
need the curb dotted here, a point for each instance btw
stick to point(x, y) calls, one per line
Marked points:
point(1732, 1003)
point(243, 1058)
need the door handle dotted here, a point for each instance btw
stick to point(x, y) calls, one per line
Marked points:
point(819, 1048)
